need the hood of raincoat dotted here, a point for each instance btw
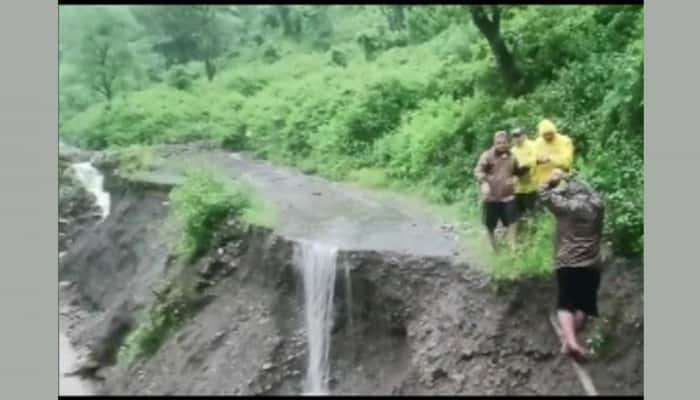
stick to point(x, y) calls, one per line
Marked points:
point(559, 151)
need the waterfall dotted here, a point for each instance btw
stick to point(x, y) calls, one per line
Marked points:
point(317, 264)
point(93, 181)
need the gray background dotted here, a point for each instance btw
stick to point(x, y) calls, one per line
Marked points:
point(28, 200)
point(29, 211)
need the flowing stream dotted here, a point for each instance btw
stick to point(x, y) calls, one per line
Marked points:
point(92, 180)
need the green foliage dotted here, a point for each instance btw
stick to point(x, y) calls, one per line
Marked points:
point(416, 111)
point(202, 203)
point(104, 55)
point(378, 110)
point(374, 41)
point(179, 78)
point(176, 303)
point(532, 257)
point(338, 58)
point(135, 159)
point(600, 340)
point(271, 55)
point(369, 177)
point(159, 115)
point(182, 34)
point(430, 144)
point(425, 22)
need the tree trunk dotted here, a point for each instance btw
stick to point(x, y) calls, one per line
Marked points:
point(286, 20)
point(210, 69)
point(395, 16)
point(490, 28)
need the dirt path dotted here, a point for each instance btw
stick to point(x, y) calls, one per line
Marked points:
point(334, 213)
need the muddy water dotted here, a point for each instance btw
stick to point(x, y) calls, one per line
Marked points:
point(67, 357)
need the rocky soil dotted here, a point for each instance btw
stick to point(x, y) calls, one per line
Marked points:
point(412, 324)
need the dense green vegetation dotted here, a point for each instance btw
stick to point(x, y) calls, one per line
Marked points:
point(202, 203)
point(390, 96)
point(176, 303)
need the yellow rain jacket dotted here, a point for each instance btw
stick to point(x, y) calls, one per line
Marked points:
point(525, 157)
point(560, 152)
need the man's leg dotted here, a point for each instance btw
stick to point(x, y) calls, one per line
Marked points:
point(589, 282)
point(490, 222)
point(511, 234)
point(509, 216)
point(492, 239)
point(520, 211)
point(566, 322)
point(566, 302)
point(579, 320)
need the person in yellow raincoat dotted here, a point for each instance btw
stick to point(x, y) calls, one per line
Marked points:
point(553, 150)
point(525, 187)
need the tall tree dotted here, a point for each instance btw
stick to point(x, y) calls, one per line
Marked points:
point(488, 20)
point(186, 33)
point(395, 16)
point(105, 56)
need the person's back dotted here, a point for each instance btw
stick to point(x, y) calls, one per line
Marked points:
point(553, 150)
point(579, 213)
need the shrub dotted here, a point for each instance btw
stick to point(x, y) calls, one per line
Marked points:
point(135, 158)
point(338, 58)
point(201, 204)
point(421, 111)
point(161, 319)
point(533, 257)
point(179, 78)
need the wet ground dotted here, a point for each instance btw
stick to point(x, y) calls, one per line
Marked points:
point(315, 209)
point(69, 385)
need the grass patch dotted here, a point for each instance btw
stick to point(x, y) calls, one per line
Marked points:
point(175, 304)
point(261, 211)
point(373, 178)
point(532, 257)
point(135, 159)
point(602, 340)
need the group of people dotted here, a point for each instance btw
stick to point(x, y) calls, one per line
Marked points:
point(517, 176)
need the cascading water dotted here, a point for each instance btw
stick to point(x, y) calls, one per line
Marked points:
point(317, 264)
point(93, 181)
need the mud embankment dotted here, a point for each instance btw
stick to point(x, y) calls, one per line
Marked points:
point(410, 325)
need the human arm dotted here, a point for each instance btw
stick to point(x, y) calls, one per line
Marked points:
point(554, 201)
point(481, 169)
point(481, 174)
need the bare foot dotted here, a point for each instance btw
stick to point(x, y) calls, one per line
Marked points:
point(564, 349)
point(575, 352)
